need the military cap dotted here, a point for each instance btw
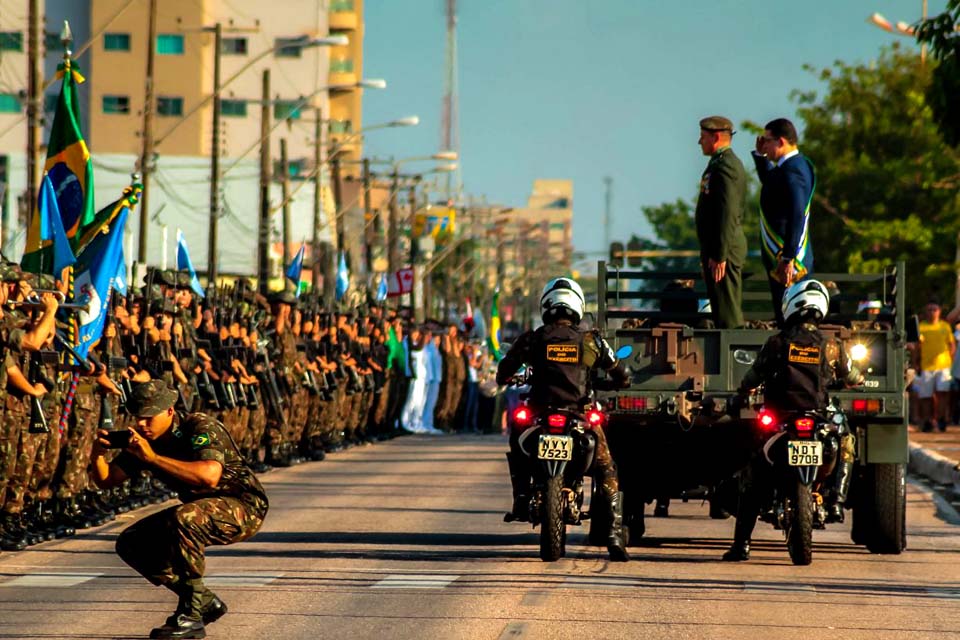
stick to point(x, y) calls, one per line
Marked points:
point(716, 123)
point(150, 399)
point(283, 297)
point(10, 272)
point(162, 306)
point(184, 281)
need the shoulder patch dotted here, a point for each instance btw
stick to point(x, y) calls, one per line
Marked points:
point(200, 440)
point(803, 354)
point(566, 353)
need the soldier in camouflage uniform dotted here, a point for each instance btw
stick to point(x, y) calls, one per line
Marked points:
point(223, 502)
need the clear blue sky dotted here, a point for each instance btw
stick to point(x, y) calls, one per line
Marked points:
point(582, 89)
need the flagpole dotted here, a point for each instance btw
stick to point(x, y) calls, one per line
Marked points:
point(164, 246)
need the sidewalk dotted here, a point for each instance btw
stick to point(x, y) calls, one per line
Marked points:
point(936, 455)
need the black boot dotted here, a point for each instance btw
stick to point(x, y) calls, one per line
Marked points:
point(47, 514)
point(742, 532)
point(520, 482)
point(616, 545)
point(738, 552)
point(187, 620)
point(212, 608)
point(13, 537)
point(841, 488)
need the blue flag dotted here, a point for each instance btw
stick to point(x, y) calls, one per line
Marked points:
point(296, 268)
point(183, 262)
point(343, 277)
point(96, 273)
point(51, 227)
point(120, 280)
point(382, 289)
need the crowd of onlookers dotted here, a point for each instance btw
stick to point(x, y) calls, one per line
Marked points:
point(935, 389)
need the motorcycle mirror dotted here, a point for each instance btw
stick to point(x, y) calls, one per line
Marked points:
point(624, 352)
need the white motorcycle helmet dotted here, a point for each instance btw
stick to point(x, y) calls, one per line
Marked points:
point(808, 297)
point(561, 298)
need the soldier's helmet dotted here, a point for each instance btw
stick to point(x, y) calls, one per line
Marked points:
point(807, 300)
point(561, 298)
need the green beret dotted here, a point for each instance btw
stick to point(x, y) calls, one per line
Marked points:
point(150, 399)
point(716, 123)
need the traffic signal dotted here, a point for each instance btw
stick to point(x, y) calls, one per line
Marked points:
point(616, 254)
point(634, 245)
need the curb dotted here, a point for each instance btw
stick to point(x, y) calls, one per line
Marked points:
point(932, 465)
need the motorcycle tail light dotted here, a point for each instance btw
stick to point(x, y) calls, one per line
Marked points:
point(522, 417)
point(766, 419)
point(557, 420)
point(595, 418)
point(804, 425)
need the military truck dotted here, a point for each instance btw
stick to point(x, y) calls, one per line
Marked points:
point(670, 431)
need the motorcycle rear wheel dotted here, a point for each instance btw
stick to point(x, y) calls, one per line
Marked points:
point(553, 530)
point(800, 531)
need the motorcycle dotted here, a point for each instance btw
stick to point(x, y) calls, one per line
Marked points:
point(560, 445)
point(803, 449)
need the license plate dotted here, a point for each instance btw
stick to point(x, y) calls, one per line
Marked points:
point(802, 453)
point(555, 448)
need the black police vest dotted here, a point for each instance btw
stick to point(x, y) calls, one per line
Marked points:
point(559, 375)
point(799, 383)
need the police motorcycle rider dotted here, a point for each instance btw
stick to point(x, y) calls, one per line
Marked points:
point(796, 366)
point(561, 381)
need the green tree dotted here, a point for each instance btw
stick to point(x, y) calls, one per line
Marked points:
point(887, 183)
point(940, 32)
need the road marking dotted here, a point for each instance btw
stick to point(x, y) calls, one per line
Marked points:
point(600, 582)
point(63, 579)
point(513, 630)
point(535, 598)
point(414, 581)
point(245, 579)
point(948, 594)
point(768, 587)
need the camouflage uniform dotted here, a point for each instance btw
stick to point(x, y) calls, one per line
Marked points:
point(167, 548)
point(11, 335)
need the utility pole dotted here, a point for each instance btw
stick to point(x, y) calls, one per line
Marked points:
point(330, 259)
point(607, 210)
point(318, 255)
point(215, 159)
point(415, 300)
point(146, 148)
point(393, 257)
point(34, 89)
point(285, 184)
point(263, 230)
point(368, 229)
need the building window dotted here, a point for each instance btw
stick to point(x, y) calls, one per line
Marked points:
point(341, 65)
point(167, 106)
point(118, 42)
point(116, 104)
point(50, 102)
point(339, 6)
point(287, 109)
point(341, 126)
point(10, 103)
point(52, 42)
point(234, 46)
point(11, 41)
point(233, 108)
point(170, 44)
point(290, 47)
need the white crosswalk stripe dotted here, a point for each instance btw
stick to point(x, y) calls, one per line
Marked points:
point(51, 579)
point(599, 582)
point(244, 579)
point(415, 581)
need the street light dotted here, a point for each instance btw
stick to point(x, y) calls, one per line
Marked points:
point(901, 28)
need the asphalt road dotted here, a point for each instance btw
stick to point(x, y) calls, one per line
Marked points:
point(404, 539)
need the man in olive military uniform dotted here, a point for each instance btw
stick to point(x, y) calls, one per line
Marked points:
point(223, 502)
point(719, 218)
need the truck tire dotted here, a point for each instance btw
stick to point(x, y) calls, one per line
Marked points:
point(553, 529)
point(889, 513)
point(800, 533)
point(599, 516)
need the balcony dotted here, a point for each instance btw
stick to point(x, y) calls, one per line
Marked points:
point(343, 16)
point(341, 71)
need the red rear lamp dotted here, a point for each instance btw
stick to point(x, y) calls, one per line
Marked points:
point(627, 403)
point(522, 416)
point(804, 425)
point(766, 419)
point(860, 404)
point(595, 418)
point(557, 420)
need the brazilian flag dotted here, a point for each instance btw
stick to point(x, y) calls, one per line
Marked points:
point(71, 172)
point(493, 340)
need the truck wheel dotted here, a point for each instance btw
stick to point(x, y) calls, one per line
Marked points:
point(599, 516)
point(889, 493)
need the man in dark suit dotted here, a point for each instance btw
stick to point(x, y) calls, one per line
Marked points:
point(788, 181)
point(719, 219)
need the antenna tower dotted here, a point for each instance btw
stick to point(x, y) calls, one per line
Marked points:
point(450, 131)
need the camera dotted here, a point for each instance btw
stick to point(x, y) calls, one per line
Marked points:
point(118, 439)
